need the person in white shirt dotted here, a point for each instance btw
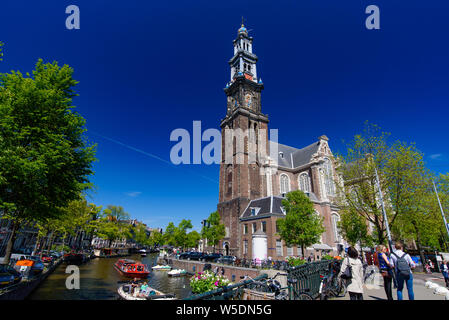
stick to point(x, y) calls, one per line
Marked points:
point(402, 273)
point(355, 284)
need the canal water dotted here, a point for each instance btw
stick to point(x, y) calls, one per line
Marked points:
point(99, 281)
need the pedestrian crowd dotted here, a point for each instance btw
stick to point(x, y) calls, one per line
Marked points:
point(395, 267)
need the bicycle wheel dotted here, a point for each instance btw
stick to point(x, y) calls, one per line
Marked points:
point(341, 288)
point(304, 296)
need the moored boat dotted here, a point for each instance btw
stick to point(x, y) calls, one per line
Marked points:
point(131, 268)
point(74, 258)
point(143, 253)
point(125, 292)
point(161, 267)
point(177, 272)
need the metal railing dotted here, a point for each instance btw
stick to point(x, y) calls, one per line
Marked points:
point(232, 292)
point(307, 277)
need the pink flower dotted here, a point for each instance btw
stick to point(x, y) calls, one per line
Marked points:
point(216, 283)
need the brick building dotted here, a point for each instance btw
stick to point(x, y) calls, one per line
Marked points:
point(251, 191)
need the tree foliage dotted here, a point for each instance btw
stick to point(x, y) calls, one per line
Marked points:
point(213, 230)
point(406, 183)
point(302, 226)
point(45, 162)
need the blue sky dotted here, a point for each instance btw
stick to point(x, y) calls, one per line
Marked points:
point(146, 68)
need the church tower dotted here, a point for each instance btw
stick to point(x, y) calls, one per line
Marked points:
point(241, 179)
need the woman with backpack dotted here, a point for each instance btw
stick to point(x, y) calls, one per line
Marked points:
point(403, 265)
point(352, 271)
point(385, 270)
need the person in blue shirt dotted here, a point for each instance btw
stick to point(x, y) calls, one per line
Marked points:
point(385, 270)
point(445, 271)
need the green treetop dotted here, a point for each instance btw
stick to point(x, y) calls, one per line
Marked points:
point(302, 226)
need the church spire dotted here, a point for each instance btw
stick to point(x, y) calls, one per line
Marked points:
point(243, 63)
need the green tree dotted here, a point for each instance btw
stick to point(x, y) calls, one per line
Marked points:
point(156, 239)
point(365, 153)
point(214, 230)
point(141, 235)
point(45, 161)
point(354, 229)
point(169, 234)
point(193, 238)
point(302, 226)
point(180, 233)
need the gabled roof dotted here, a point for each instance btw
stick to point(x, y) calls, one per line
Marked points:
point(269, 206)
point(292, 157)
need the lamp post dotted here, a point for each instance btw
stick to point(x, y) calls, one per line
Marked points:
point(441, 208)
point(390, 244)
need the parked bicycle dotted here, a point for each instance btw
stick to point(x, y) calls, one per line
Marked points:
point(331, 285)
point(271, 285)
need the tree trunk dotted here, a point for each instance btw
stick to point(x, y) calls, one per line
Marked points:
point(50, 243)
point(418, 244)
point(10, 244)
point(38, 239)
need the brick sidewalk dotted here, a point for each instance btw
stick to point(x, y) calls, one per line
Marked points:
point(421, 292)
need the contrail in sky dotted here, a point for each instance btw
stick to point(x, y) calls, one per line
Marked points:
point(147, 154)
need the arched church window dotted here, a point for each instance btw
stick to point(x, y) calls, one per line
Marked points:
point(304, 182)
point(284, 183)
point(328, 181)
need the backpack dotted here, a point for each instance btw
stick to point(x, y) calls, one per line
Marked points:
point(347, 274)
point(402, 265)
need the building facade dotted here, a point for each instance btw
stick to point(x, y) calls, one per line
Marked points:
point(252, 187)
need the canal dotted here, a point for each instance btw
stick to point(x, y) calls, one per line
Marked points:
point(99, 281)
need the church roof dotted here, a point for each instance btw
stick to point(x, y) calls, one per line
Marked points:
point(289, 157)
point(268, 206)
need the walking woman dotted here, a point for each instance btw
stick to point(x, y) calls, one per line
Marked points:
point(445, 272)
point(385, 270)
point(355, 284)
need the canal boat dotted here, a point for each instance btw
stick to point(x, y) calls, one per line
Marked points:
point(162, 268)
point(124, 292)
point(177, 272)
point(74, 258)
point(131, 268)
point(143, 253)
point(29, 266)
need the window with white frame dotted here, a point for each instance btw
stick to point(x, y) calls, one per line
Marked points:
point(254, 227)
point(304, 182)
point(279, 247)
point(290, 251)
point(284, 183)
point(245, 228)
point(245, 246)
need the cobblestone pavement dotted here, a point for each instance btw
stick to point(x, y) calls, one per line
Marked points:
point(421, 292)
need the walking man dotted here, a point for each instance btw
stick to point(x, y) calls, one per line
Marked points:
point(403, 265)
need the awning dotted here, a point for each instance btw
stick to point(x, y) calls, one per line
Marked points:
point(321, 246)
